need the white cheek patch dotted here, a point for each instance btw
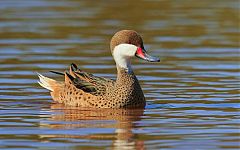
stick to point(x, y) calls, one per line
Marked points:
point(122, 54)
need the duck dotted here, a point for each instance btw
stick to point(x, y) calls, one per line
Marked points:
point(83, 89)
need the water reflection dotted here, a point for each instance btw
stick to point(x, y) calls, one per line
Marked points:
point(122, 121)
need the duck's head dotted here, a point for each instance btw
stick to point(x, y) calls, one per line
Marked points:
point(126, 44)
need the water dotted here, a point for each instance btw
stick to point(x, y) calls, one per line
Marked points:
point(192, 95)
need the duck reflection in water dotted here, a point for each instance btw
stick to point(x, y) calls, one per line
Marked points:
point(122, 120)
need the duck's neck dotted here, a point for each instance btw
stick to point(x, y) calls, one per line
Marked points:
point(125, 74)
point(123, 63)
point(125, 67)
point(128, 87)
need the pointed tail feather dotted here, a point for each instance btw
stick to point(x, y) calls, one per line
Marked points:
point(56, 72)
point(47, 82)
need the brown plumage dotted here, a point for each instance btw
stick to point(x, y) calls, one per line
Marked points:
point(86, 90)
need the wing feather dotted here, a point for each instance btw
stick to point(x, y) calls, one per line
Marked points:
point(86, 81)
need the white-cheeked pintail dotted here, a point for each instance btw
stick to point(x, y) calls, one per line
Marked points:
point(86, 90)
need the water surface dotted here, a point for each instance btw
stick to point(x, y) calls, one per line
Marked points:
point(192, 95)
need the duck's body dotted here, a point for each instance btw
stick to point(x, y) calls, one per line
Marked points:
point(86, 90)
